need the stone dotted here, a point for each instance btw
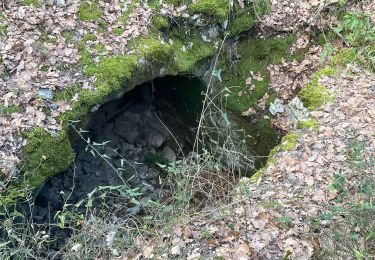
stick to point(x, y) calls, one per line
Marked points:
point(59, 2)
point(107, 130)
point(155, 140)
point(168, 153)
point(126, 130)
point(296, 110)
point(131, 116)
point(40, 213)
point(45, 94)
point(134, 210)
point(176, 250)
point(277, 107)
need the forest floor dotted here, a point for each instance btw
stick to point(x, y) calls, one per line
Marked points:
point(274, 214)
point(270, 217)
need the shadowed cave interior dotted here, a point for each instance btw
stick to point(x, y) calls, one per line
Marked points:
point(153, 123)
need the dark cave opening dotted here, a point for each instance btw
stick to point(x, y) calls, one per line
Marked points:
point(124, 140)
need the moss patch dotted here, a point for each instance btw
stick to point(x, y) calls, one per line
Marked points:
point(189, 53)
point(244, 19)
point(217, 10)
point(116, 74)
point(118, 31)
point(311, 123)
point(288, 142)
point(314, 95)
point(45, 155)
point(9, 110)
point(67, 93)
point(89, 11)
point(343, 57)
point(160, 23)
point(256, 55)
point(31, 2)
point(3, 30)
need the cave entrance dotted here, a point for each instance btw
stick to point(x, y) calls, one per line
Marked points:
point(153, 123)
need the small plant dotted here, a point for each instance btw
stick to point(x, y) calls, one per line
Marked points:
point(358, 32)
point(206, 233)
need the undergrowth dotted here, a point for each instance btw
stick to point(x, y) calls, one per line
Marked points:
point(357, 31)
point(346, 225)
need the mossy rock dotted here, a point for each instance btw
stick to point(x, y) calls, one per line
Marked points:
point(314, 95)
point(44, 156)
point(255, 55)
point(243, 19)
point(308, 124)
point(216, 10)
point(288, 143)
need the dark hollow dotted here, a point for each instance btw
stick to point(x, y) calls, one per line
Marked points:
point(138, 128)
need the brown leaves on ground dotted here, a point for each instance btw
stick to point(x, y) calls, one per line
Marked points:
point(288, 78)
point(39, 55)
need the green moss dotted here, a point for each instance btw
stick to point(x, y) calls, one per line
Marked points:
point(44, 156)
point(88, 37)
point(311, 123)
point(160, 23)
point(256, 55)
point(113, 70)
point(189, 54)
point(242, 22)
point(343, 57)
point(128, 9)
point(115, 74)
point(118, 31)
point(31, 2)
point(288, 142)
point(99, 47)
point(89, 11)
point(67, 93)
point(68, 36)
point(216, 9)
point(44, 68)
point(87, 62)
point(3, 30)
point(9, 110)
point(314, 95)
point(244, 19)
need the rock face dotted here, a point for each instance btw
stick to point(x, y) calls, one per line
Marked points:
point(132, 134)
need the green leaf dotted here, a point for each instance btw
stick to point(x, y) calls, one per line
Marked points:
point(4, 244)
point(217, 74)
point(285, 219)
